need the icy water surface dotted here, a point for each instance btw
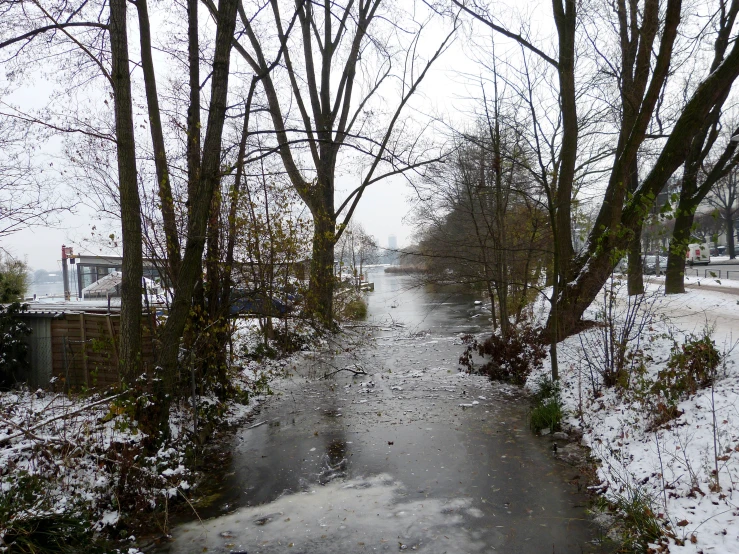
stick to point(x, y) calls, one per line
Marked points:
point(414, 456)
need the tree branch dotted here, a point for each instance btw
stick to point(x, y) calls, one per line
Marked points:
point(518, 38)
point(33, 34)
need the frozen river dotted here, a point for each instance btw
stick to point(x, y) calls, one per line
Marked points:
point(393, 461)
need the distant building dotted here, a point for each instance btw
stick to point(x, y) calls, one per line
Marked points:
point(392, 242)
point(91, 269)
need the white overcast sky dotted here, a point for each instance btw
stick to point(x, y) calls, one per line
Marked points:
point(383, 210)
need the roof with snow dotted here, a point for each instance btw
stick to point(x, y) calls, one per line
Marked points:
point(110, 284)
point(61, 308)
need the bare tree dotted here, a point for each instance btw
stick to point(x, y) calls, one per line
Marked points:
point(38, 19)
point(708, 226)
point(336, 68)
point(648, 34)
point(699, 173)
point(724, 198)
point(75, 26)
point(202, 185)
point(483, 222)
point(26, 194)
point(355, 249)
point(131, 305)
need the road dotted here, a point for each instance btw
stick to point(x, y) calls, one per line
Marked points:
point(724, 269)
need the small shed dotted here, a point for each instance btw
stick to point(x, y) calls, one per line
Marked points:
point(74, 346)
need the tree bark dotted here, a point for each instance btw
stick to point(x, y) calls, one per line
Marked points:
point(635, 279)
point(171, 235)
point(213, 270)
point(320, 297)
point(675, 273)
point(730, 237)
point(565, 17)
point(210, 175)
point(132, 267)
point(193, 110)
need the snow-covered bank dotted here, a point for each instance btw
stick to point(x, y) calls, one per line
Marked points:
point(687, 468)
point(80, 458)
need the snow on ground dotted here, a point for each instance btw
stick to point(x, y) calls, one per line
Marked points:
point(85, 458)
point(688, 468)
point(85, 451)
point(79, 445)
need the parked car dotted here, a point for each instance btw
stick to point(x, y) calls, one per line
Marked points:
point(698, 253)
point(650, 264)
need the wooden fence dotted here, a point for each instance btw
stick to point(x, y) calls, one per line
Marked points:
point(85, 350)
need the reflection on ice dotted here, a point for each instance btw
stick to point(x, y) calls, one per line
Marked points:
point(343, 516)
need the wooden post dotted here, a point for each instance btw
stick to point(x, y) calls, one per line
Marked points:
point(83, 334)
point(115, 347)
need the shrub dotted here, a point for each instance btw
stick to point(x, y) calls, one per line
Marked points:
point(13, 279)
point(638, 524)
point(260, 352)
point(510, 357)
point(612, 349)
point(546, 388)
point(13, 350)
point(547, 415)
point(692, 366)
point(30, 522)
point(355, 310)
point(291, 341)
point(548, 410)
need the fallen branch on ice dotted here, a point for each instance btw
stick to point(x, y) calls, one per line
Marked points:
point(358, 371)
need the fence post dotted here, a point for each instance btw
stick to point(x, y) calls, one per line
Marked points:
point(115, 347)
point(83, 334)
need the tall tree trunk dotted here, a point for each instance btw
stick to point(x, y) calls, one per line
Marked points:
point(320, 298)
point(491, 294)
point(565, 17)
point(191, 269)
point(171, 235)
point(675, 273)
point(635, 280)
point(503, 268)
point(193, 110)
point(234, 199)
point(212, 325)
point(213, 258)
point(730, 235)
point(130, 339)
